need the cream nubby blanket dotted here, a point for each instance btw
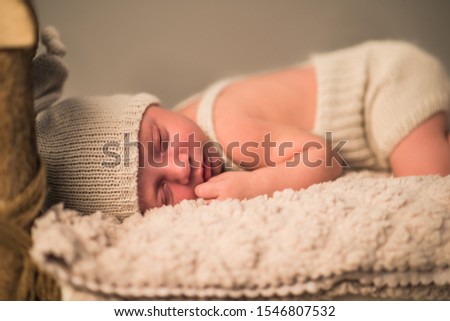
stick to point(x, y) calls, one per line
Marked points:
point(362, 234)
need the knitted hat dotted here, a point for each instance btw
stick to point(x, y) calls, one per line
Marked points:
point(88, 145)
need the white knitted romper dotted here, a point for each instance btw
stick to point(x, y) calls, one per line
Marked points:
point(370, 96)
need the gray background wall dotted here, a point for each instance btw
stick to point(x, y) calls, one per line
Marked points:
point(173, 48)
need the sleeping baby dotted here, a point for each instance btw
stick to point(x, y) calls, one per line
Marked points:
point(379, 105)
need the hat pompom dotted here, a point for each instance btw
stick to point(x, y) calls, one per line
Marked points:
point(48, 71)
point(52, 41)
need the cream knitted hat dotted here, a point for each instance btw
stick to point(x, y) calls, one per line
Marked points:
point(88, 145)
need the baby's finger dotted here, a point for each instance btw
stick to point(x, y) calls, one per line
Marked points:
point(206, 190)
point(217, 178)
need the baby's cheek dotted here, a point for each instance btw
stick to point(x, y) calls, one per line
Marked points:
point(182, 192)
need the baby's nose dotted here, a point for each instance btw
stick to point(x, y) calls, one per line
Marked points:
point(179, 168)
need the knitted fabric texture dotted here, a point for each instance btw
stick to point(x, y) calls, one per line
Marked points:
point(88, 145)
point(374, 94)
point(89, 148)
point(363, 234)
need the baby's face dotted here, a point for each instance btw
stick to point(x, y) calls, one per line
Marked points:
point(173, 158)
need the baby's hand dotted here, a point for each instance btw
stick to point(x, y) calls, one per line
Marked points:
point(238, 185)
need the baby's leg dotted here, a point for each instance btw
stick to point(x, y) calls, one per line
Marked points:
point(425, 151)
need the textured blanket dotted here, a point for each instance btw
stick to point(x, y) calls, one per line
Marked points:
point(360, 235)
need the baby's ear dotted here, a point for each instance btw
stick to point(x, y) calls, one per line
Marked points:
point(48, 71)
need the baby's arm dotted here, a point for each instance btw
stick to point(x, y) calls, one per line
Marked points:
point(267, 180)
point(300, 169)
point(425, 151)
point(318, 167)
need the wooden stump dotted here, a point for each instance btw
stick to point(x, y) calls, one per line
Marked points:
point(22, 179)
